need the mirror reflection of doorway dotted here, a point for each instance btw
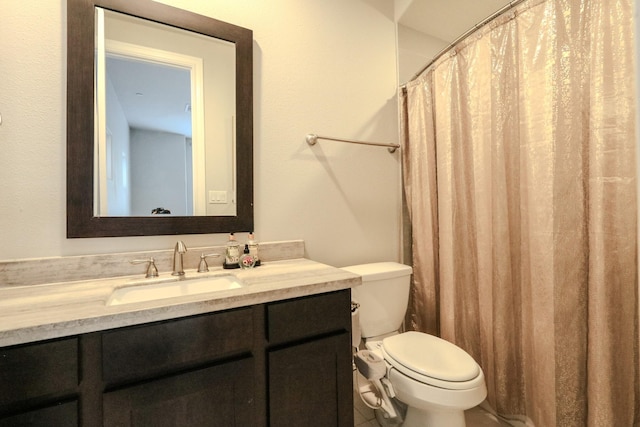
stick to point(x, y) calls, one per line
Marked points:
point(159, 134)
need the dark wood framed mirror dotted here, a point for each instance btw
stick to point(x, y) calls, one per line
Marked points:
point(82, 217)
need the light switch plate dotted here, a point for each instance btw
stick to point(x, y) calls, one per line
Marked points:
point(217, 197)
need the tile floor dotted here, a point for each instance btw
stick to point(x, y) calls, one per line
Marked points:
point(364, 416)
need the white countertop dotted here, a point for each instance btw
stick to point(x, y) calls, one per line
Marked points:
point(38, 312)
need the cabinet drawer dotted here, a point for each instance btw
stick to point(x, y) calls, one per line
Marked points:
point(60, 415)
point(309, 316)
point(38, 370)
point(141, 351)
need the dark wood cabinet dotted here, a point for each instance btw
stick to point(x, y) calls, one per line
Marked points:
point(217, 396)
point(271, 365)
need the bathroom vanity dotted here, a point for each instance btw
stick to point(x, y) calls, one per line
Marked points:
point(276, 352)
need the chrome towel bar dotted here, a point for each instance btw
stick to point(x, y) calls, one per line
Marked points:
point(312, 138)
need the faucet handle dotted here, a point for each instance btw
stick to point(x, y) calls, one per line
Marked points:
point(152, 271)
point(203, 267)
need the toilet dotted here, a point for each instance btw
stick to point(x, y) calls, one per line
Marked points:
point(435, 379)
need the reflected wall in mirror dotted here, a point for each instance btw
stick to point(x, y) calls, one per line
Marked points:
point(135, 155)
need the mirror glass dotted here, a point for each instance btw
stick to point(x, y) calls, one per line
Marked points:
point(159, 121)
point(158, 151)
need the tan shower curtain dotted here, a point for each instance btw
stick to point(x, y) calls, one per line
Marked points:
point(519, 164)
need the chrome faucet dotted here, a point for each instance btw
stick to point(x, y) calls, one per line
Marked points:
point(179, 250)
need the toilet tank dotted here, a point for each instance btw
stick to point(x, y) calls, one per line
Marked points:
point(383, 296)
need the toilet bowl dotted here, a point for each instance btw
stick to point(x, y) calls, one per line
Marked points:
point(435, 379)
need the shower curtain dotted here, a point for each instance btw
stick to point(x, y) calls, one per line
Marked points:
point(519, 176)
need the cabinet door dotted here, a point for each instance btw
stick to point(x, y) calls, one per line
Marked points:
point(218, 396)
point(310, 384)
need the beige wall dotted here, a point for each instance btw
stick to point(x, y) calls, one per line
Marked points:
point(415, 51)
point(326, 67)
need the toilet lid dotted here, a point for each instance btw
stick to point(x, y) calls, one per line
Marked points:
point(430, 356)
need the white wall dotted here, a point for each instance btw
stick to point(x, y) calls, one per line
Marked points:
point(326, 67)
point(158, 172)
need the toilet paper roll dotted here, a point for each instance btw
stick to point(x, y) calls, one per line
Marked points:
point(356, 335)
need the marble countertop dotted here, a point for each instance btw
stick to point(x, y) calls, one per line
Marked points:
point(38, 312)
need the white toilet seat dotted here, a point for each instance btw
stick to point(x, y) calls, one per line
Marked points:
point(421, 395)
point(432, 360)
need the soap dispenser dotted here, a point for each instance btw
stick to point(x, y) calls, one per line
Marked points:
point(246, 259)
point(253, 249)
point(232, 253)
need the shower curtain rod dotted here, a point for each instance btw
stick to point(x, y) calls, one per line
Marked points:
point(312, 138)
point(464, 36)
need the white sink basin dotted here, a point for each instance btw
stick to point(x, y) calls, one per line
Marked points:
point(171, 288)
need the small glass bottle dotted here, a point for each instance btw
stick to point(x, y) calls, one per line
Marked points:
point(253, 249)
point(246, 259)
point(232, 253)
